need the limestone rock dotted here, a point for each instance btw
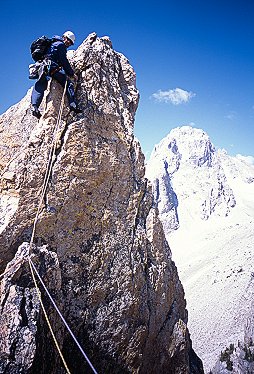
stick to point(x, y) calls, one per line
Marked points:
point(20, 319)
point(110, 270)
point(189, 180)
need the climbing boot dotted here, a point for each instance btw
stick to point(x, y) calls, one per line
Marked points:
point(75, 109)
point(36, 112)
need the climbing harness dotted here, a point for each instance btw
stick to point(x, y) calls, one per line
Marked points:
point(40, 68)
point(31, 264)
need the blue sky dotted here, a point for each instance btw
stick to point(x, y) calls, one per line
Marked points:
point(194, 60)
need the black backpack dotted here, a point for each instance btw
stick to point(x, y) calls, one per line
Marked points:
point(39, 48)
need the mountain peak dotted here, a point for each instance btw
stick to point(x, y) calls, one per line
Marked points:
point(188, 178)
point(188, 145)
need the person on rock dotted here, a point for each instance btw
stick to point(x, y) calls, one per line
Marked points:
point(58, 68)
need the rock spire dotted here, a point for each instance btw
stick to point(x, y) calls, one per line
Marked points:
point(99, 245)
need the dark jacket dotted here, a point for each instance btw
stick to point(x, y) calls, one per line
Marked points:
point(57, 53)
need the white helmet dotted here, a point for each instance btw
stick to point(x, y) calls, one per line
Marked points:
point(70, 36)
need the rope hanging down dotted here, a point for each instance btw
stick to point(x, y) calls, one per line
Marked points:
point(31, 264)
point(44, 188)
point(49, 165)
point(46, 177)
point(61, 316)
point(32, 267)
point(47, 318)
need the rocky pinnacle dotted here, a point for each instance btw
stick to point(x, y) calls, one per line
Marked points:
point(99, 245)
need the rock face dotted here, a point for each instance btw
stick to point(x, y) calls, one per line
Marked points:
point(20, 319)
point(99, 245)
point(239, 359)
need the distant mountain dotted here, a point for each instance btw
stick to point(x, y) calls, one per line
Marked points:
point(186, 165)
point(206, 202)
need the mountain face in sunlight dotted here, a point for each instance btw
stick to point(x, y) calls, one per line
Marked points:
point(206, 202)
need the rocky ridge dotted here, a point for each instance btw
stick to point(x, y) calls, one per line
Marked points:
point(99, 245)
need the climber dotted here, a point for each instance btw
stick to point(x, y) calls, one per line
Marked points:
point(58, 67)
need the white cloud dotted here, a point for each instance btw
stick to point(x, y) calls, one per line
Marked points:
point(176, 96)
point(248, 159)
point(232, 115)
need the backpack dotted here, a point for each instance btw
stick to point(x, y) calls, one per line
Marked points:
point(39, 48)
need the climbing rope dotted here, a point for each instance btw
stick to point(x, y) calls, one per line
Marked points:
point(61, 316)
point(31, 264)
point(49, 166)
point(44, 188)
point(46, 177)
point(46, 316)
